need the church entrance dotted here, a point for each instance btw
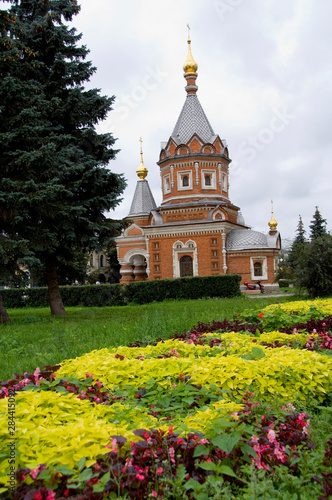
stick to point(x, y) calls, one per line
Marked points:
point(186, 266)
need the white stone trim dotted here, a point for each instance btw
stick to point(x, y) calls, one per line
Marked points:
point(212, 173)
point(197, 177)
point(264, 267)
point(198, 195)
point(180, 175)
point(214, 227)
point(224, 253)
point(190, 247)
point(166, 184)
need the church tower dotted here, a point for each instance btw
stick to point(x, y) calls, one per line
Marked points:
point(196, 230)
point(194, 163)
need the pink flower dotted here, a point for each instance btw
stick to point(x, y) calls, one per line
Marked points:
point(159, 471)
point(271, 436)
point(140, 477)
point(98, 384)
point(50, 495)
point(154, 494)
point(254, 439)
point(38, 496)
point(34, 472)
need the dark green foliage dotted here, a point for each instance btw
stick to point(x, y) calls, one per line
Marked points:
point(183, 288)
point(55, 184)
point(315, 267)
point(312, 260)
point(91, 295)
point(141, 292)
point(69, 269)
point(296, 251)
point(317, 226)
point(285, 272)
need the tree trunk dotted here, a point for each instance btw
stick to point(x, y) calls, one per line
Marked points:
point(4, 318)
point(56, 304)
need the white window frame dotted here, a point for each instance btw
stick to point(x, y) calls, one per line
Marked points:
point(224, 182)
point(167, 181)
point(212, 174)
point(263, 260)
point(180, 175)
point(189, 248)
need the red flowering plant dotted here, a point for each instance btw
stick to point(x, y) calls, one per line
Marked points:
point(281, 431)
point(45, 380)
point(159, 459)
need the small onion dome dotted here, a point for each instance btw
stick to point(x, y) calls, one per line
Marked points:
point(190, 66)
point(142, 171)
point(273, 224)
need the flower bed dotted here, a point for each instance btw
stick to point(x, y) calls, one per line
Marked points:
point(186, 415)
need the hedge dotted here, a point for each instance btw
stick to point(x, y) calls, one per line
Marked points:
point(141, 292)
point(194, 287)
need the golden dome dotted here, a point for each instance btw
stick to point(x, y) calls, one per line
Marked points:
point(190, 66)
point(142, 171)
point(273, 223)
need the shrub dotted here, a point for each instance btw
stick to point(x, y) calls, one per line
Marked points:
point(141, 292)
point(194, 287)
point(92, 295)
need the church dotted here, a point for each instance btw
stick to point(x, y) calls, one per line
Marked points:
point(196, 230)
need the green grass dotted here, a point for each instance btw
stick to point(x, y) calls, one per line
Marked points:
point(34, 338)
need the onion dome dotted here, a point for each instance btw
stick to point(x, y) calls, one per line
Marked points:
point(273, 223)
point(190, 66)
point(142, 171)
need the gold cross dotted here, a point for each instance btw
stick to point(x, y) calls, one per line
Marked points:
point(188, 31)
point(141, 140)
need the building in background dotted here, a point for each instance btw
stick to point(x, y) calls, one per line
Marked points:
point(197, 230)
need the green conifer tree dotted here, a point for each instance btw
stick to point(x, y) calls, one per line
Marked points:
point(55, 185)
point(297, 248)
point(314, 259)
point(317, 226)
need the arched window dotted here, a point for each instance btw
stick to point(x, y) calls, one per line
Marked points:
point(258, 269)
point(207, 179)
point(186, 266)
point(185, 181)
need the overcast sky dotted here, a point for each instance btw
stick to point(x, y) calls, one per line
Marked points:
point(264, 81)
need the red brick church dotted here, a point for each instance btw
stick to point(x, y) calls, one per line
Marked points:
point(196, 230)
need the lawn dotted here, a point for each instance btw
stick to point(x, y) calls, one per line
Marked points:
point(226, 408)
point(34, 338)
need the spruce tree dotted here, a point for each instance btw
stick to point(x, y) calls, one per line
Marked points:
point(312, 259)
point(55, 185)
point(317, 226)
point(298, 246)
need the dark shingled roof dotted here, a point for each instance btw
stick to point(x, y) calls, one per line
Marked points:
point(192, 120)
point(143, 201)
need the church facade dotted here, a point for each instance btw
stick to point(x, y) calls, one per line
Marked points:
point(196, 230)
